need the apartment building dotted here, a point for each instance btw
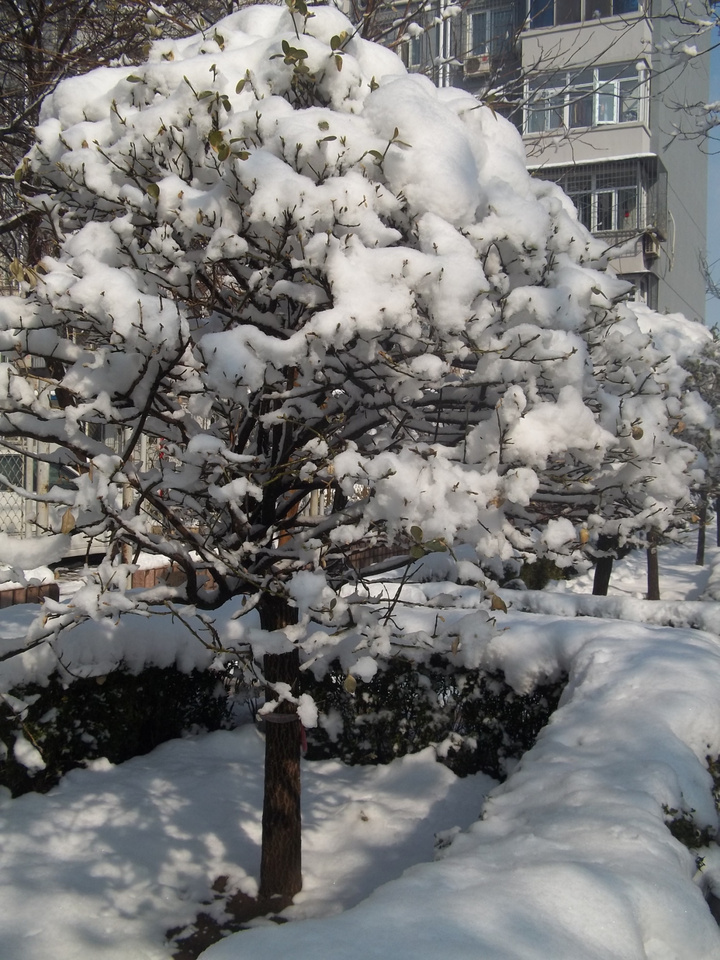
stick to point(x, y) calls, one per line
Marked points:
point(600, 91)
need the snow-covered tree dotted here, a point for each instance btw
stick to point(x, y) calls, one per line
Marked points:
point(302, 302)
point(40, 44)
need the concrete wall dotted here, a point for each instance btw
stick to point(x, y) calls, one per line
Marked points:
point(674, 87)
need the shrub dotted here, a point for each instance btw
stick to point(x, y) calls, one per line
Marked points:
point(477, 721)
point(118, 716)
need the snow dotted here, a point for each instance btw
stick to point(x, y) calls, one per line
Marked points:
point(303, 278)
point(572, 857)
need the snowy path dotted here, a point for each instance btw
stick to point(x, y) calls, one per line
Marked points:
point(115, 856)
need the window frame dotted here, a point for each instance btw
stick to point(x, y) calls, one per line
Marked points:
point(499, 32)
point(559, 13)
point(559, 101)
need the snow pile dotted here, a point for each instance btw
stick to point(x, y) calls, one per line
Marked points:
point(573, 857)
point(94, 649)
point(712, 590)
point(103, 866)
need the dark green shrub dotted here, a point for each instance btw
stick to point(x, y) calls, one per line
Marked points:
point(118, 716)
point(477, 717)
point(683, 826)
point(537, 575)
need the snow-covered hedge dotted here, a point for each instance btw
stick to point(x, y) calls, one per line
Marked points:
point(474, 718)
point(46, 730)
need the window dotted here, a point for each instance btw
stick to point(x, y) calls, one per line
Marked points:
point(414, 52)
point(645, 288)
point(490, 32)
point(553, 13)
point(593, 97)
point(413, 48)
point(610, 198)
point(606, 199)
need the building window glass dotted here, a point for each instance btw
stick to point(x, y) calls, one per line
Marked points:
point(490, 31)
point(553, 13)
point(413, 48)
point(596, 96)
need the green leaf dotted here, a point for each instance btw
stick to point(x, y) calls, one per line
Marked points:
point(286, 48)
point(215, 138)
point(323, 125)
point(436, 546)
point(223, 151)
point(327, 139)
point(219, 40)
point(417, 534)
point(153, 191)
point(241, 85)
point(133, 79)
point(242, 155)
point(205, 94)
point(417, 551)
point(338, 62)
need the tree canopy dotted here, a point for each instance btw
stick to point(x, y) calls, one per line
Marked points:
point(305, 273)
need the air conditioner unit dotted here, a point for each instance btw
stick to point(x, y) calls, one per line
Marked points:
point(651, 245)
point(477, 66)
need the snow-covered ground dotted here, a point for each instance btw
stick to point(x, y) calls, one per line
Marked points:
point(571, 861)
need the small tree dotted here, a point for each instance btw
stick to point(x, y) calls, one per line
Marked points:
point(307, 279)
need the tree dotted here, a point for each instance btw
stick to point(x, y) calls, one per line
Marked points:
point(705, 379)
point(660, 415)
point(313, 279)
point(43, 42)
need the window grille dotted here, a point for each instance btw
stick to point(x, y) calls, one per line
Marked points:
point(490, 31)
point(623, 197)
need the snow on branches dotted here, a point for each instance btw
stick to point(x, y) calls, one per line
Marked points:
point(302, 302)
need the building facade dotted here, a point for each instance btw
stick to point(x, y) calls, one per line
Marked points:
point(600, 90)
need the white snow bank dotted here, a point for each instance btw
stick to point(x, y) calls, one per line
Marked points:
point(572, 858)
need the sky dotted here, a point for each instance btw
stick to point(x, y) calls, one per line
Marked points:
point(713, 305)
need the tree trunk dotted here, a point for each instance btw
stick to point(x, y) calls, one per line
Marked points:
point(702, 521)
point(653, 571)
point(281, 865)
point(604, 565)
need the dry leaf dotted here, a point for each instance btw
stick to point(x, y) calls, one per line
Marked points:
point(497, 603)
